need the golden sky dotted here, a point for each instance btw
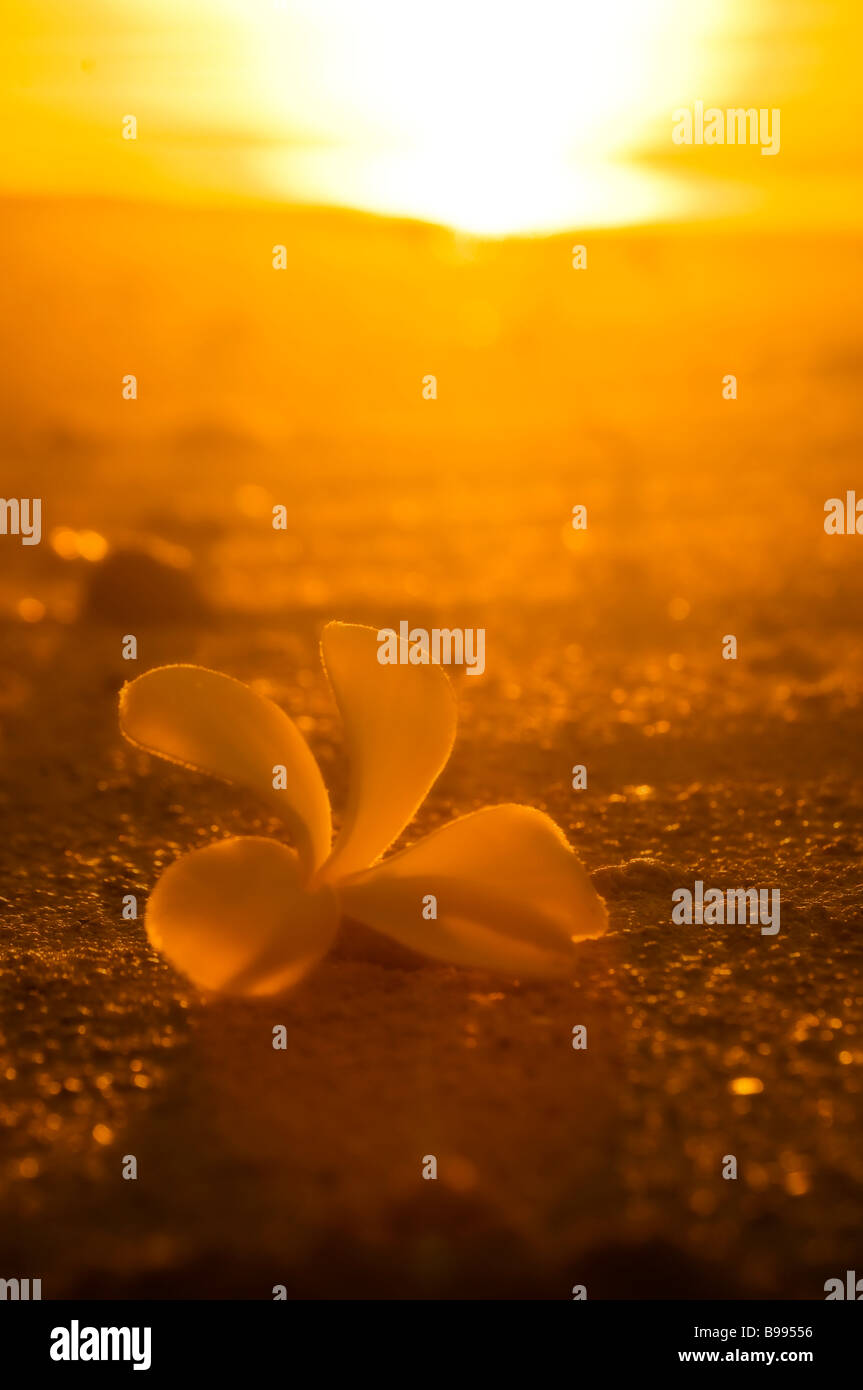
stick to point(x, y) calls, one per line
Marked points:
point(491, 117)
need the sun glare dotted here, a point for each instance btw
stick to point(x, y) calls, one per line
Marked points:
point(489, 118)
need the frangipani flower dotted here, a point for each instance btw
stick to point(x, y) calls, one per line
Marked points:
point(251, 916)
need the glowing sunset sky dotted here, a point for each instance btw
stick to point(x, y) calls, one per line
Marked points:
point(491, 118)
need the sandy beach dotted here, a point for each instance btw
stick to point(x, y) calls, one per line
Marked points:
point(557, 1167)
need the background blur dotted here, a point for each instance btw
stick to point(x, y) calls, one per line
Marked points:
point(428, 171)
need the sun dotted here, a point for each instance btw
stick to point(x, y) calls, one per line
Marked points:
point(492, 118)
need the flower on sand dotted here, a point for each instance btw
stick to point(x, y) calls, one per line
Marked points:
point(251, 916)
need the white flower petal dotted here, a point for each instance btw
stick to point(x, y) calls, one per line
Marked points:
point(235, 917)
point(510, 894)
point(399, 724)
point(215, 724)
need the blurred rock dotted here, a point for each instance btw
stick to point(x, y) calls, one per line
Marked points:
point(143, 585)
